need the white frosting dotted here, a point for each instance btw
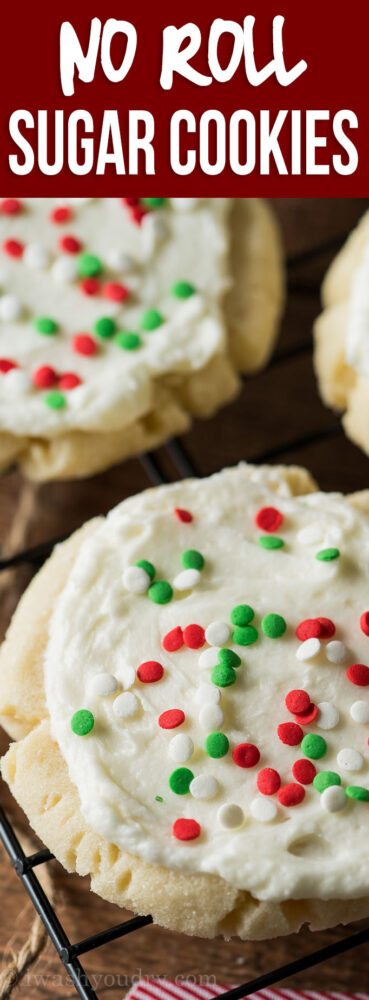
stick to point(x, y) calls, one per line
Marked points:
point(273, 851)
point(118, 385)
point(357, 335)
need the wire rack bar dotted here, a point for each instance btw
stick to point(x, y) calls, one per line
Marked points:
point(44, 909)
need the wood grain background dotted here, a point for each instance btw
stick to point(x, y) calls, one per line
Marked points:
point(275, 410)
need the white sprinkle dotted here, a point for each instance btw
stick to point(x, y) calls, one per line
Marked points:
point(207, 694)
point(17, 382)
point(102, 685)
point(120, 261)
point(359, 711)
point(230, 816)
point(204, 786)
point(126, 705)
point(308, 649)
point(333, 799)
point(136, 580)
point(209, 657)
point(211, 718)
point(184, 204)
point(187, 579)
point(10, 307)
point(263, 809)
point(217, 633)
point(64, 270)
point(311, 534)
point(126, 676)
point(36, 256)
point(181, 748)
point(350, 760)
point(328, 715)
point(336, 652)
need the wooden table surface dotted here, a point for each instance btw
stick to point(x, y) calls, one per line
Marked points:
point(274, 411)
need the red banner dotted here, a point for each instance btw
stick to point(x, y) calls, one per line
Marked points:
point(215, 99)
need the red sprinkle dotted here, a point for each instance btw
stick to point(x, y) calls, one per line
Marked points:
point(315, 628)
point(328, 628)
point(89, 286)
point(291, 794)
point(186, 829)
point(61, 214)
point(306, 718)
point(358, 674)
point(14, 248)
point(171, 719)
point(290, 733)
point(193, 636)
point(309, 629)
point(69, 381)
point(135, 210)
point(150, 671)
point(173, 640)
point(11, 206)
point(268, 781)
point(268, 519)
point(304, 771)
point(364, 622)
point(70, 244)
point(115, 292)
point(297, 701)
point(84, 344)
point(246, 755)
point(44, 377)
point(6, 365)
point(183, 515)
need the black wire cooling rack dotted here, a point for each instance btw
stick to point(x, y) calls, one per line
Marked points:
point(68, 952)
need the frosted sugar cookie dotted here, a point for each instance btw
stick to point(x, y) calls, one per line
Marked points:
point(342, 335)
point(120, 319)
point(202, 752)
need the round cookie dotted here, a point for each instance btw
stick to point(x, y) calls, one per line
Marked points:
point(121, 319)
point(342, 335)
point(207, 784)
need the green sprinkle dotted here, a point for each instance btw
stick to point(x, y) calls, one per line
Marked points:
point(128, 341)
point(242, 614)
point(44, 324)
point(180, 780)
point(182, 289)
point(216, 745)
point(313, 746)
point(82, 722)
point(105, 327)
point(160, 592)
point(228, 658)
point(325, 779)
point(245, 636)
point(358, 793)
point(326, 555)
point(88, 265)
point(270, 542)
point(273, 626)
point(55, 400)
point(191, 559)
point(153, 202)
point(151, 319)
point(223, 676)
point(147, 566)
point(159, 798)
